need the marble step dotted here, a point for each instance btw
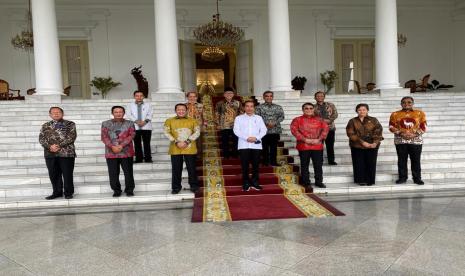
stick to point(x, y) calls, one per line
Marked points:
point(102, 176)
point(97, 199)
point(388, 187)
point(84, 188)
point(94, 134)
point(88, 159)
point(99, 176)
point(160, 139)
point(80, 168)
point(153, 197)
point(343, 150)
point(161, 146)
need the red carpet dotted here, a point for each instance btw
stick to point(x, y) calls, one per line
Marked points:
point(221, 197)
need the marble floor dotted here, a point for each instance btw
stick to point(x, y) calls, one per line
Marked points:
point(409, 236)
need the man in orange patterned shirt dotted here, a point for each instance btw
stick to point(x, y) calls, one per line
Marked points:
point(408, 126)
point(195, 111)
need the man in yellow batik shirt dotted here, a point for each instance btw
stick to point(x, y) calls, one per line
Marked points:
point(182, 132)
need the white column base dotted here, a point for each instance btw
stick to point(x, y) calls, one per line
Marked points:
point(168, 95)
point(394, 92)
point(41, 98)
point(286, 95)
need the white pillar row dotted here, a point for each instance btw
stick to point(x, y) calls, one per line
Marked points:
point(387, 61)
point(280, 45)
point(167, 50)
point(46, 49)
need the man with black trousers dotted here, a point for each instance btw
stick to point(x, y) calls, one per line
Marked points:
point(141, 113)
point(408, 126)
point(182, 132)
point(272, 115)
point(57, 138)
point(310, 131)
point(226, 111)
point(250, 129)
point(117, 135)
point(328, 112)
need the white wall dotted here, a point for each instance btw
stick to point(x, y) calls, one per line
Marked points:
point(429, 46)
point(459, 55)
point(122, 37)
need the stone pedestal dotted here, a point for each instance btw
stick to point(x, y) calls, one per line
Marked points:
point(394, 92)
point(38, 98)
point(286, 95)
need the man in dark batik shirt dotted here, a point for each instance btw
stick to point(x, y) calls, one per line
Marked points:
point(117, 135)
point(272, 115)
point(57, 138)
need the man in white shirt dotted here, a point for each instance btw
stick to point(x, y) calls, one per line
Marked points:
point(141, 113)
point(250, 129)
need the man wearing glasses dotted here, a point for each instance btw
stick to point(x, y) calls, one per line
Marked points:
point(310, 131)
point(408, 126)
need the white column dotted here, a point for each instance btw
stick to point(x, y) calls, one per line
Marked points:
point(167, 53)
point(46, 49)
point(280, 45)
point(387, 63)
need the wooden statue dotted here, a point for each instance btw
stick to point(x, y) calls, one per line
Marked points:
point(142, 84)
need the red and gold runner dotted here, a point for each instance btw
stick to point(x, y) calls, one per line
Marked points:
point(221, 198)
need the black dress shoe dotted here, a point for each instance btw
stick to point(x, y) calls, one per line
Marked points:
point(306, 185)
point(332, 163)
point(148, 161)
point(175, 192)
point(129, 193)
point(69, 196)
point(256, 186)
point(194, 189)
point(138, 161)
point(370, 184)
point(419, 182)
point(116, 194)
point(362, 184)
point(50, 197)
point(320, 185)
point(401, 181)
point(245, 187)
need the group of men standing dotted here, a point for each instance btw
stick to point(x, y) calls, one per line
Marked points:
point(251, 132)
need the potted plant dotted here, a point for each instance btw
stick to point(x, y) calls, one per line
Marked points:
point(298, 83)
point(104, 85)
point(327, 79)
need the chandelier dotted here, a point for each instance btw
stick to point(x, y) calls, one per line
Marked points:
point(212, 54)
point(218, 33)
point(25, 40)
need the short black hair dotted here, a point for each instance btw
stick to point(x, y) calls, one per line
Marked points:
point(55, 107)
point(137, 91)
point(407, 97)
point(227, 89)
point(180, 104)
point(268, 92)
point(192, 92)
point(249, 101)
point(117, 106)
point(360, 105)
point(305, 104)
point(318, 92)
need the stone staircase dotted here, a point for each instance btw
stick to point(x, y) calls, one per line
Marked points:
point(24, 180)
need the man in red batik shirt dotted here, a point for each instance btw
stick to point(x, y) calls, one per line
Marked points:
point(310, 131)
